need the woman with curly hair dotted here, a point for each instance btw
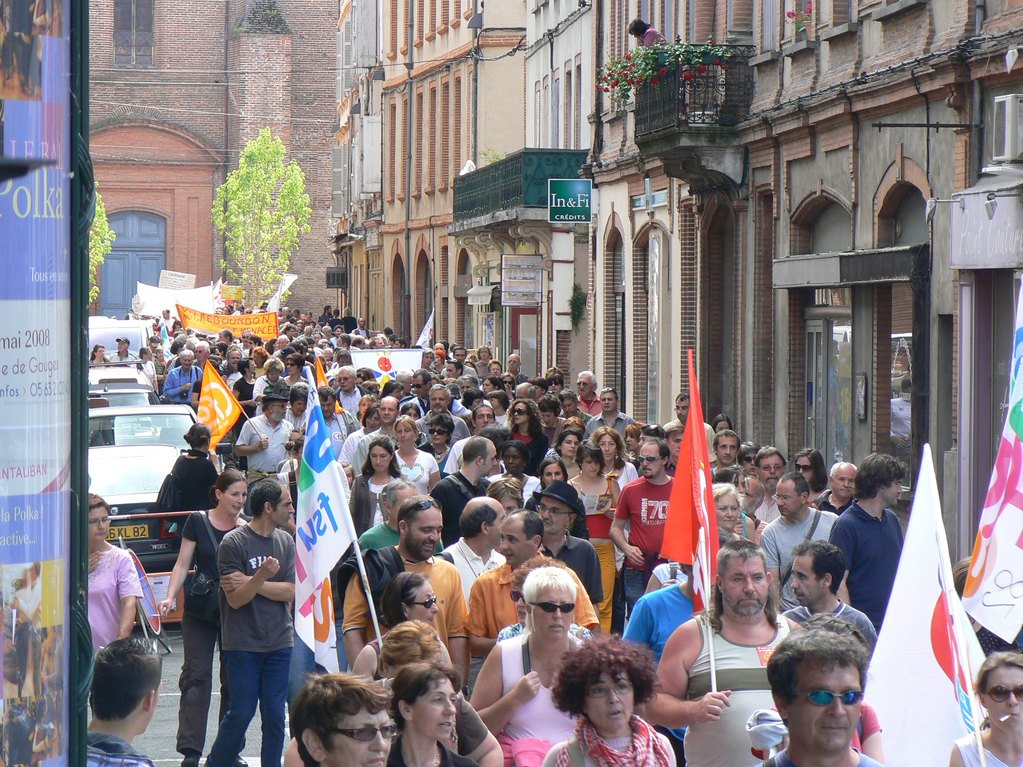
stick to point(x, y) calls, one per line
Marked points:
point(602, 681)
point(526, 427)
point(612, 446)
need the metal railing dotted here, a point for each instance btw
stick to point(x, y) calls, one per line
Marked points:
point(715, 92)
point(518, 180)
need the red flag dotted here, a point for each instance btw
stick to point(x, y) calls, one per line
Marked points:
point(691, 505)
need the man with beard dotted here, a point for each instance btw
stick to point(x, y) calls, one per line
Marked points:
point(262, 438)
point(419, 529)
point(743, 623)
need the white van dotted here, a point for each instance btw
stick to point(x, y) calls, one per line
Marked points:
point(106, 331)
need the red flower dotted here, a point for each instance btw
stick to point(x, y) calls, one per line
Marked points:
point(702, 69)
point(688, 75)
point(790, 14)
point(662, 71)
point(628, 57)
point(655, 80)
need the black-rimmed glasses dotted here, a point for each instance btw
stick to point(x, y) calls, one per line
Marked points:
point(367, 734)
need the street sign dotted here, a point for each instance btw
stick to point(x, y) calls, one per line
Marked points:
point(569, 200)
point(521, 280)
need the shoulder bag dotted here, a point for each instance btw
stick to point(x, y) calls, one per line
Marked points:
point(203, 598)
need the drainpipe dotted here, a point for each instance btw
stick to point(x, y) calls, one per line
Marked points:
point(406, 307)
point(476, 89)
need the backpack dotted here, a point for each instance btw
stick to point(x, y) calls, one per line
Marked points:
point(381, 566)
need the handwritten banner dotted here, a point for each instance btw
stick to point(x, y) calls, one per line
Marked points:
point(263, 324)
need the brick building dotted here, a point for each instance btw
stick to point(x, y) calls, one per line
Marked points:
point(823, 292)
point(176, 92)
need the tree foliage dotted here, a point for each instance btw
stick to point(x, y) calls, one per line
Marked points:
point(260, 210)
point(101, 242)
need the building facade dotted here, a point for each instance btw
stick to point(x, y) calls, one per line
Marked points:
point(176, 92)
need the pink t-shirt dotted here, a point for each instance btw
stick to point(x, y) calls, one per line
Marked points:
point(113, 579)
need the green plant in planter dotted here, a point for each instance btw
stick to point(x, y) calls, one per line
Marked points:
point(651, 63)
point(577, 305)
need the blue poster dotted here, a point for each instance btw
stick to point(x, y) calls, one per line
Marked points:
point(34, 382)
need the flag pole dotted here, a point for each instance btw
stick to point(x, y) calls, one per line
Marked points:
point(702, 546)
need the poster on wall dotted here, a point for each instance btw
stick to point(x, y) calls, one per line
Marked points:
point(34, 382)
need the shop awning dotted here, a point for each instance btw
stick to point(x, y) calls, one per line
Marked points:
point(480, 295)
point(852, 267)
point(987, 229)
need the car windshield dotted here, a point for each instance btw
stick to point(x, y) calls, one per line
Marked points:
point(140, 429)
point(128, 474)
point(126, 398)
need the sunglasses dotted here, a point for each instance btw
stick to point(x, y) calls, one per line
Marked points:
point(803, 467)
point(553, 607)
point(825, 697)
point(516, 596)
point(747, 459)
point(518, 411)
point(1001, 694)
point(649, 458)
point(428, 603)
point(367, 734)
point(439, 431)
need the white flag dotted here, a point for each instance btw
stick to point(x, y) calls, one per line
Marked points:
point(274, 304)
point(324, 531)
point(423, 341)
point(921, 675)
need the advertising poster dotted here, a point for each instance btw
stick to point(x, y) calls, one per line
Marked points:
point(34, 382)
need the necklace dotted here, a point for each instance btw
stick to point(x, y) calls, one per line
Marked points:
point(466, 559)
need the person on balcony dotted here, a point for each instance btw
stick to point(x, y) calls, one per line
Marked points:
point(645, 33)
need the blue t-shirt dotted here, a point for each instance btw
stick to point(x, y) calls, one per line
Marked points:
point(656, 616)
point(782, 760)
point(872, 548)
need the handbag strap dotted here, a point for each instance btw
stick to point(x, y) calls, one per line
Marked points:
point(208, 526)
point(809, 535)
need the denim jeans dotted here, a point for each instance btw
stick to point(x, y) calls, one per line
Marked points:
point(303, 663)
point(635, 585)
point(255, 678)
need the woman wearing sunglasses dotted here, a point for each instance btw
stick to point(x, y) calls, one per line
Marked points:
point(340, 719)
point(1000, 687)
point(526, 427)
point(602, 683)
point(407, 597)
point(439, 427)
point(513, 690)
point(518, 578)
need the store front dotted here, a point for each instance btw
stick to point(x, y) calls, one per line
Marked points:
point(987, 249)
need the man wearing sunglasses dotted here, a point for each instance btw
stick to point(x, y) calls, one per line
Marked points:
point(644, 505)
point(817, 679)
point(745, 629)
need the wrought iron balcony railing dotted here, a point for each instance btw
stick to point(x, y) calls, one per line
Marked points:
point(714, 93)
point(518, 180)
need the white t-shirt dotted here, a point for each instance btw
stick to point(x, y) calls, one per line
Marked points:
point(419, 471)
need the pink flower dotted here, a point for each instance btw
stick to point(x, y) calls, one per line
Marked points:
point(790, 14)
point(662, 71)
point(655, 80)
point(702, 69)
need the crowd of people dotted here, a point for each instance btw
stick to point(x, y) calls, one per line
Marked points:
point(511, 529)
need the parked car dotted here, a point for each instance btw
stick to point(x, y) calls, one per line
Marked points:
point(145, 425)
point(128, 477)
point(113, 385)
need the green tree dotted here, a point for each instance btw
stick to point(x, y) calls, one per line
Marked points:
point(101, 242)
point(260, 210)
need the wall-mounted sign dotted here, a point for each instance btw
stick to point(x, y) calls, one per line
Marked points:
point(569, 200)
point(521, 280)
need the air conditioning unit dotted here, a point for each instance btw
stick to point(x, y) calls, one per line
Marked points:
point(1008, 128)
